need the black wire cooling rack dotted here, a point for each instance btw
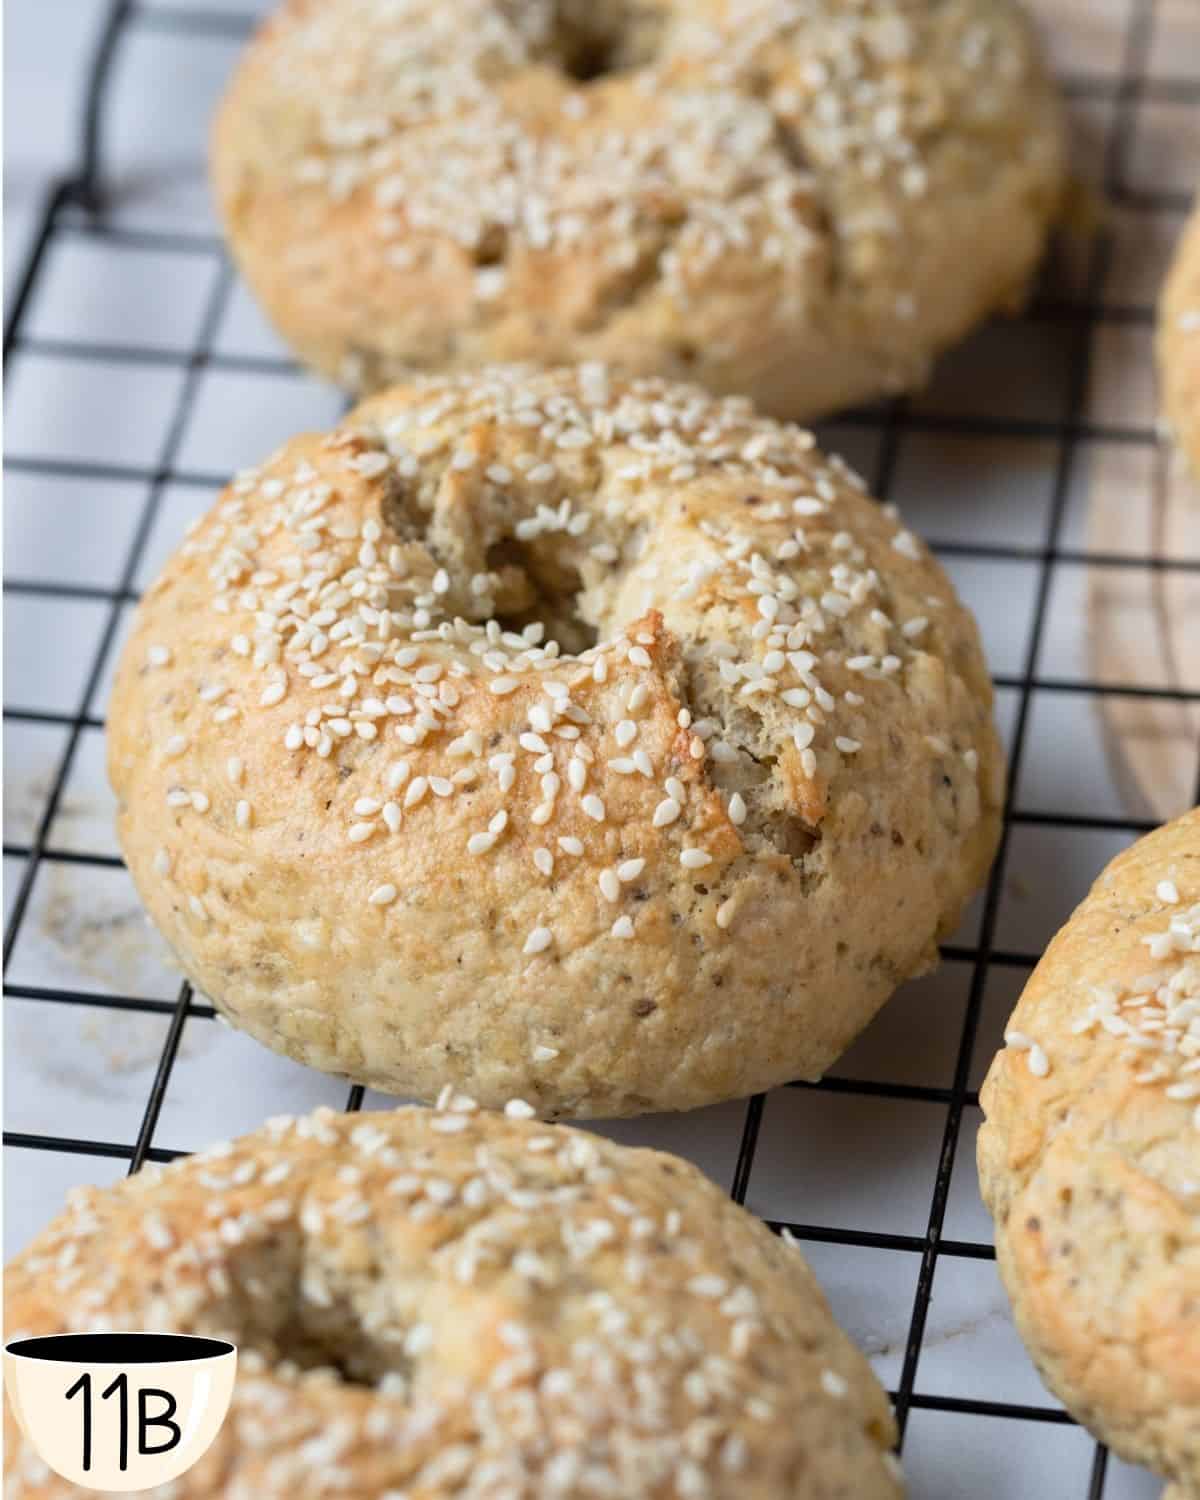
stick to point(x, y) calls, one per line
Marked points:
point(78, 207)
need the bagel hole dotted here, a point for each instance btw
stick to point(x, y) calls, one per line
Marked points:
point(492, 249)
point(591, 58)
point(535, 585)
point(596, 41)
point(332, 1339)
point(291, 1312)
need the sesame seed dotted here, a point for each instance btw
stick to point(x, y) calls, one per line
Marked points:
point(610, 885)
point(623, 927)
point(538, 940)
point(359, 832)
point(242, 814)
point(594, 808)
point(1167, 892)
point(694, 859)
point(737, 809)
point(382, 895)
point(518, 1109)
point(666, 812)
point(630, 869)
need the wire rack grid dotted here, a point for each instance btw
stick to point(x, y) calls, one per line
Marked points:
point(1037, 418)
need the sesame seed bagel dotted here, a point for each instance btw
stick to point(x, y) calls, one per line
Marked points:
point(453, 1303)
point(1178, 343)
point(803, 203)
point(589, 740)
point(1090, 1157)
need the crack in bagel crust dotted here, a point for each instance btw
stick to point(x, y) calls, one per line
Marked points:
point(688, 860)
point(507, 1311)
point(1089, 1159)
point(802, 203)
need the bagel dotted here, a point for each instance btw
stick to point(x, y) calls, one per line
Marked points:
point(802, 203)
point(1089, 1159)
point(458, 1304)
point(1178, 343)
point(588, 740)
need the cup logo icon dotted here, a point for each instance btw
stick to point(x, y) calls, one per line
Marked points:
point(120, 1411)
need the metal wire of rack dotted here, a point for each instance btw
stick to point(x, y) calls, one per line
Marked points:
point(77, 208)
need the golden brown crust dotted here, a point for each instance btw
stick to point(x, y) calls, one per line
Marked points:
point(1179, 342)
point(1090, 1157)
point(685, 863)
point(803, 205)
point(453, 1303)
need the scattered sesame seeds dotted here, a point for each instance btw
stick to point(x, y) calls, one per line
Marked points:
point(1037, 1060)
point(1156, 1019)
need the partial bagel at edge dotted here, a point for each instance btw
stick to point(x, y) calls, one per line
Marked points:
point(453, 1305)
point(803, 204)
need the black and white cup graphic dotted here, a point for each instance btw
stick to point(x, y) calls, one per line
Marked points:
point(120, 1411)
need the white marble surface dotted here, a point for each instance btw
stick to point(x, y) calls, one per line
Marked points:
point(849, 1161)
